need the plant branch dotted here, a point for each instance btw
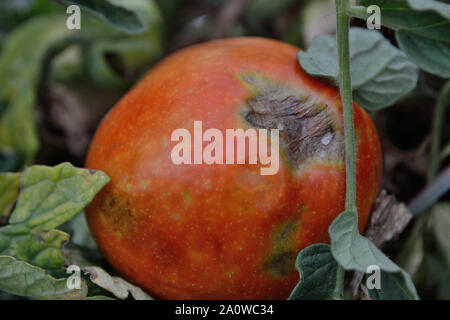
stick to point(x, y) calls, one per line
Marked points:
point(438, 119)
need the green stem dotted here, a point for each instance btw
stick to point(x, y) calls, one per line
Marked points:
point(438, 118)
point(345, 87)
point(338, 291)
point(358, 12)
point(343, 26)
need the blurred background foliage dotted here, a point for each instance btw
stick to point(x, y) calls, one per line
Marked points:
point(56, 85)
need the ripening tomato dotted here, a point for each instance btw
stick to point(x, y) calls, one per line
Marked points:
point(225, 231)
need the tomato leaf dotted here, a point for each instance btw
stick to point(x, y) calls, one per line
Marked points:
point(393, 287)
point(423, 5)
point(380, 73)
point(117, 286)
point(24, 279)
point(49, 197)
point(40, 248)
point(402, 15)
point(113, 13)
point(355, 252)
point(422, 29)
point(430, 55)
point(318, 273)
point(9, 190)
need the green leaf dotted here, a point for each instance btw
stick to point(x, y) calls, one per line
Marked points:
point(40, 248)
point(113, 13)
point(117, 286)
point(24, 49)
point(17, 127)
point(380, 73)
point(126, 54)
point(398, 15)
point(318, 273)
point(24, 279)
point(20, 63)
point(51, 196)
point(393, 287)
point(423, 5)
point(355, 252)
point(9, 190)
point(430, 55)
point(321, 58)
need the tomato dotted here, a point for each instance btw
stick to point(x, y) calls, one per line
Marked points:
point(225, 231)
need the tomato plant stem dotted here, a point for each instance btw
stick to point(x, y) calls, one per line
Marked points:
point(345, 87)
point(343, 26)
point(438, 118)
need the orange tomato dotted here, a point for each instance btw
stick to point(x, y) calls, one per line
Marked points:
point(225, 231)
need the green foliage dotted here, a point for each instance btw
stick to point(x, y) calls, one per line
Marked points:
point(29, 244)
point(27, 49)
point(431, 55)
point(318, 274)
point(9, 190)
point(380, 73)
point(114, 13)
point(49, 197)
point(355, 252)
point(20, 64)
point(23, 279)
point(422, 29)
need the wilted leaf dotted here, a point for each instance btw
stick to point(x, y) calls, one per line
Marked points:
point(24, 279)
point(380, 73)
point(318, 274)
point(117, 286)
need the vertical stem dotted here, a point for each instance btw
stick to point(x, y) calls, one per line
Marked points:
point(438, 118)
point(345, 87)
point(343, 26)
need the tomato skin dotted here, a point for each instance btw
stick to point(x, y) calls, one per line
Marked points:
point(216, 231)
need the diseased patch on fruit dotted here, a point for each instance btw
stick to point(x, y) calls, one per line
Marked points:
point(281, 264)
point(307, 128)
point(281, 261)
point(117, 212)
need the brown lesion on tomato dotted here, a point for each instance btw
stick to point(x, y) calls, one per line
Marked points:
point(117, 212)
point(306, 125)
point(280, 262)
